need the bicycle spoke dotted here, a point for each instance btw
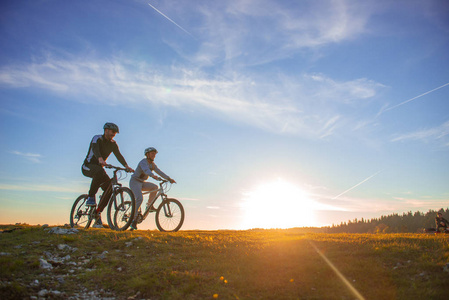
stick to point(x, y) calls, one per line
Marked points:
point(121, 209)
point(80, 213)
point(170, 215)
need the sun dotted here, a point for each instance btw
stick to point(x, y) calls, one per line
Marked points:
point(277, 204)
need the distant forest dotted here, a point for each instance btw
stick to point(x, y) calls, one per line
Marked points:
point(395, 223)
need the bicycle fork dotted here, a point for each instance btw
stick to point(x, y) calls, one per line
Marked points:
point(167, 210)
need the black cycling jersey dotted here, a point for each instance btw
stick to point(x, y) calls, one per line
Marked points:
point(102, 147)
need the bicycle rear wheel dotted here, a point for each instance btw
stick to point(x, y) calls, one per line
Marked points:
point(170, 215)
point(121, 209)
point(81, 214)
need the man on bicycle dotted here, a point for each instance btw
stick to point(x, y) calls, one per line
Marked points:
point(100, 148)
point(137, 182)
point(441, 223)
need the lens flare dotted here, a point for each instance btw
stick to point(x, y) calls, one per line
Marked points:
point(277, 204)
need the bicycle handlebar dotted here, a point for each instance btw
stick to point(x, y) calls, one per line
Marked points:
point(117, 168)
point(162, 181)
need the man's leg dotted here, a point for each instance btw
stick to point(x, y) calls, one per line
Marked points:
point(107, 192)
point(98, 175)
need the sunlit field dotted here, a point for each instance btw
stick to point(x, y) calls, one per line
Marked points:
point(253, 264)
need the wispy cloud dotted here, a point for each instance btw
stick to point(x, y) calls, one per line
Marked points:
point(439, 134)
point(308, 105)
point(257, 32)
point(387, 205)
point(231, 35)
point(346, 91)
point(33, 157)
point(187, 199)
point(37, 188)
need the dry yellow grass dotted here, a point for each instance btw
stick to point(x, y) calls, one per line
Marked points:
point(259, 264)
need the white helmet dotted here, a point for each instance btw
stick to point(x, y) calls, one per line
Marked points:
point(150, 149)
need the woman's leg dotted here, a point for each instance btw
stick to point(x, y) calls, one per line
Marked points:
point(136, 187)
point(150, 187)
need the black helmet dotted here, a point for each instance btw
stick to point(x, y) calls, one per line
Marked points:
point(111, 126)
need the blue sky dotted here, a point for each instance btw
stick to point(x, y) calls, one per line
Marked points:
point(267, 113)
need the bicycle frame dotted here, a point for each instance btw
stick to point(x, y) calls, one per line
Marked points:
point(120, 203)
point(169, 213)
point(115, 186)
point(160, 193)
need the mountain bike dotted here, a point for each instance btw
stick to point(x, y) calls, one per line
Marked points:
point(169, 213)
point(120, 209)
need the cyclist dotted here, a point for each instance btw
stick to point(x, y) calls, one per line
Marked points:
point(100, 148)
point(137, 182)
point(441, 222)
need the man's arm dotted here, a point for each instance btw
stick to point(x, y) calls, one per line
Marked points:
point(120, 158)
point(96, 149)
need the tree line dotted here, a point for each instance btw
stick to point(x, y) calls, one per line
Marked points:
point(395, 223)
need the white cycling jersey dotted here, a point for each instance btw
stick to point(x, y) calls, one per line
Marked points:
point(145, 169)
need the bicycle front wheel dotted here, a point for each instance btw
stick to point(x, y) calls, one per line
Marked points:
point(80, 215)
point(170, 215)
point(121, 209)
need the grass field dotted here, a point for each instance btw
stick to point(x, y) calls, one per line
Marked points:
point(255, 264)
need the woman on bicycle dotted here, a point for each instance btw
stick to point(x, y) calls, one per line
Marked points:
point(138, 183)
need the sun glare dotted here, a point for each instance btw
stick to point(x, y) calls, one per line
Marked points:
point(277, 204)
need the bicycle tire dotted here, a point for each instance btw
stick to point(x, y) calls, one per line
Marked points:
point(121, 209)
point(171, 218)
point(80, 215)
